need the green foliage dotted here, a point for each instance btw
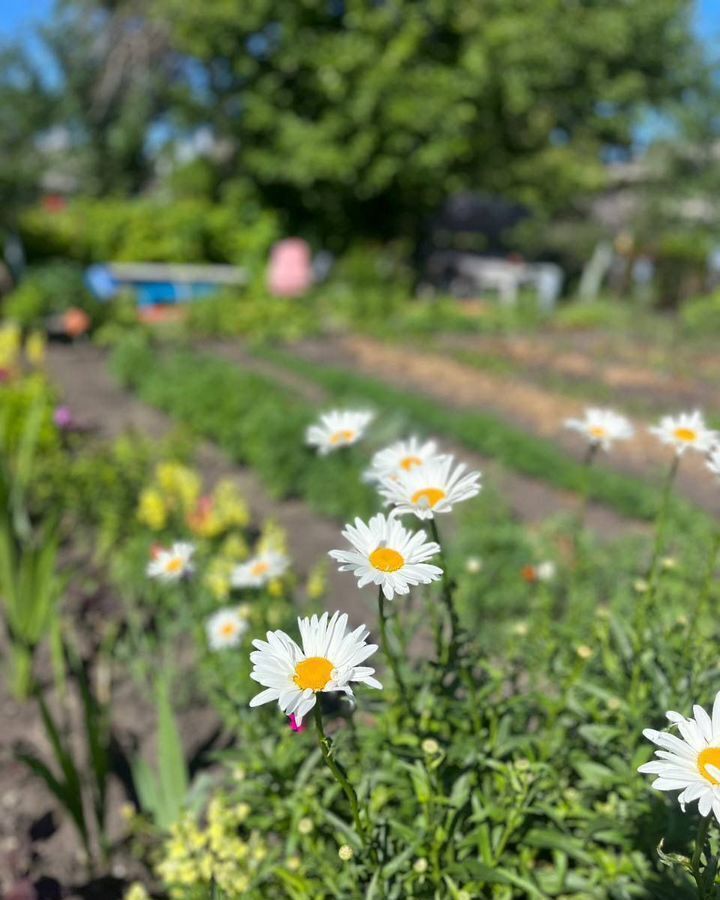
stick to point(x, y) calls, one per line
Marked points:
point(48, 289)
point(700, 317)
point(681, 264)
point(599, 313)
point(150, 230)
point(30, 590)
point(362, 118)
point(163, 791)
point(253, 314)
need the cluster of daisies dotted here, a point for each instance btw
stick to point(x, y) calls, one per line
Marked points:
point(412, 478)
point(686, 431)
point(226, 627)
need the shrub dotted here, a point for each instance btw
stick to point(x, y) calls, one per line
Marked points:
point(48, 289)
point(701, 316)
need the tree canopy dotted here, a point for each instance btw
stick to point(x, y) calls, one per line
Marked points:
point(355, 117)
point(364, 115)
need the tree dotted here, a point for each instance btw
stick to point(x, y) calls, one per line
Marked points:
point(358, 116)
point(101, 76)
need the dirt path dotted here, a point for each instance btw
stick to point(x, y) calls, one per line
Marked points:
point(531, 500)
point(521, 403)
point(644, 375)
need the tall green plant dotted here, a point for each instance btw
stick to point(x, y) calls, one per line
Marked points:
point(29, 591)
point(163, 791)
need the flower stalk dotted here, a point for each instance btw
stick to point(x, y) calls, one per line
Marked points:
point(342, 779)
point(392, 659)
point(448, 654)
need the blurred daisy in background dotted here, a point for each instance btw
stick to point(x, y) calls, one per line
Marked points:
point(388, 555)
point(260, 569)
point(172, 564)
point(544, 571)
point(403, 456)
point(338, 428)
point(430, 489)
point(686, 431)
point(329, 660)
point(225, 628)
point(713, 460)
point(689, 763)
point(602, 427)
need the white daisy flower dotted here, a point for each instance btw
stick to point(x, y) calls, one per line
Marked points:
point(225, 628)
point(329, 660)
point(338, 428)
point(602, 426)
point(388, 555)
point(260, 569)
point(172, 564)
point(688, 430)
point(689, 763)
point(546, 570)
point(430, 489)
point(713, 460)
point(402, 456)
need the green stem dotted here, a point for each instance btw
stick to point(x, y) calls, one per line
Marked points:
point(447, 597)
point(661, 526)
point(704, 594)
point(587, 462)
point(700, 842)
point(645, 602)
point(392, 659)
point(342, 780)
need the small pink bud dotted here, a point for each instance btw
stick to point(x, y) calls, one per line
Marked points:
point(294, 725)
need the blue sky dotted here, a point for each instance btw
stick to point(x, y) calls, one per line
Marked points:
point(18, 15)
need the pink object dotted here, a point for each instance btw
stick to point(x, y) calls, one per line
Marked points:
point(290, 269)
point(294, 725)
point(63, 418)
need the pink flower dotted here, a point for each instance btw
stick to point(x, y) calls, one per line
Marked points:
point(294, 725)
point(63, 418)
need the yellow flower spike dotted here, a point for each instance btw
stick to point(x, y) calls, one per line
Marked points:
point(273, 539)
point(35, 349)
point(316, 586)
point(152, 510)
point(242, 811)
point(136, 891)
point(234, 548)
point(230, 505)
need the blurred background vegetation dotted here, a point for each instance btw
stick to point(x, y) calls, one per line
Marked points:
point(176, 131)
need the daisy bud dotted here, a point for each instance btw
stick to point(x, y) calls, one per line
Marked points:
point(420, 865)
point(306, 826)
point(346, 853)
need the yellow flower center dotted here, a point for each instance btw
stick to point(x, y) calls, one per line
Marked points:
point(313, 673)
point(710, 756)
point(686, 434)
point(342, 437)
point(597, 431)
point(260, 568)
point(410, 462)
point(387, 560)
point(174, 565)
point(428, 497)
point(228, 629)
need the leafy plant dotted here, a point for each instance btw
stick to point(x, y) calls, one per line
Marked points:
point(163, 790)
